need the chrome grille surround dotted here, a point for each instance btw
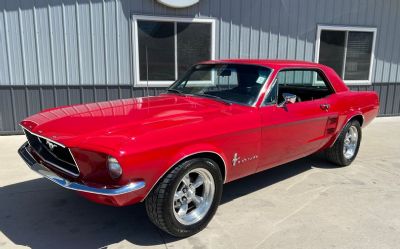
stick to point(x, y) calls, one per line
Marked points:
point(61, 159)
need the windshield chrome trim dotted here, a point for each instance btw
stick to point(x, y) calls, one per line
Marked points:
point(268, 92)
point(234, 63)
point(262, 89)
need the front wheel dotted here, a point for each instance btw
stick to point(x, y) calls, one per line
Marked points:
point(186, 199)
point(346, 147)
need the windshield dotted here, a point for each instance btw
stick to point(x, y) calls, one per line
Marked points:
point(237, 83)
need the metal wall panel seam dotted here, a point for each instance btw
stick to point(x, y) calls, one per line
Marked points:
point(65, 44)
point(240, 31)
point(51, 45)
point(260, 31)
point(230, 33)
point(13, 108)
point(91, 40)
point(394, 98)
point(220, 29)
point(117, 42)
point(386, 99)
point(22, 45)
point(78, 35)
point(394, 51)
point(105, 43)
point(378, 44)
point(132, 79)
point(7, 47)
point(385, 47)
point(37, 46)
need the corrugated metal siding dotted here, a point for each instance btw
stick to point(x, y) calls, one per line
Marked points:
point(17, 102)
point(389, 97)
point(88, 41)
point(64, 42)
point(57, 52)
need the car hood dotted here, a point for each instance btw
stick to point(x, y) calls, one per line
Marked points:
point(120, 119)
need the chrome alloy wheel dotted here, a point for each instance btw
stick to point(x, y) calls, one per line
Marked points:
point(350, 142)
point(193, 196)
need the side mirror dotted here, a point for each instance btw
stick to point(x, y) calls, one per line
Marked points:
point(288, 99)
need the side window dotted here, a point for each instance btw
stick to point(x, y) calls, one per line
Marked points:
point(306, 84)
point(306, 78)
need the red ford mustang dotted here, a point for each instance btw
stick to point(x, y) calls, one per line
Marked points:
point(221, 121)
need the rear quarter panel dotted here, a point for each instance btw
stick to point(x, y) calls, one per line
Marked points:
point(348, 104)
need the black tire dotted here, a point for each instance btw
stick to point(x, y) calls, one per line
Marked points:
point(159, 203)
point(335, 153)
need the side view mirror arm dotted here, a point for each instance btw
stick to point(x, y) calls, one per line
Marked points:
point(288, 99)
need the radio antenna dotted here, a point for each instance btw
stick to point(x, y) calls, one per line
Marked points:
point(147, 77)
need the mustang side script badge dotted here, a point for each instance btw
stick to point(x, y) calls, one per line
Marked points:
point(237, 160)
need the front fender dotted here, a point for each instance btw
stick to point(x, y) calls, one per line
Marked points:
point(152, 165)
point(180, 155)
point(197, 149)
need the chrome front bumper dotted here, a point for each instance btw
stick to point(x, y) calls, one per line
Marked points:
point(42, 170)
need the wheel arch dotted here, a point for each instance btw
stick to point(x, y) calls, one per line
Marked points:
point(358, 117)
point(188, 154)
point(355, 116)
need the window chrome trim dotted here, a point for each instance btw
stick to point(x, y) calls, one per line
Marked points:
point(268, 92)
point(346, 29)
point(308, 68)
point(263, 87)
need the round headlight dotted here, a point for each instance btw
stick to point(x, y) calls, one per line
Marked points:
point(114, 168)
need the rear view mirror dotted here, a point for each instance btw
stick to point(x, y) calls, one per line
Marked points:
point(225, 72)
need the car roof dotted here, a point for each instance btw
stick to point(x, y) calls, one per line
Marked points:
point(275, 64)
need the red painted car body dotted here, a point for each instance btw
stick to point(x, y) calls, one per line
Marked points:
point(149, 135)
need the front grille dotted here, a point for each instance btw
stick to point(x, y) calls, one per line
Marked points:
point(52, 153)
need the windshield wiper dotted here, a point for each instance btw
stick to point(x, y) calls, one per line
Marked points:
point(175, 91)
point(217, 98)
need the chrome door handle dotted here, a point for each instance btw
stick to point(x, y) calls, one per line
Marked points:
point(325, 107)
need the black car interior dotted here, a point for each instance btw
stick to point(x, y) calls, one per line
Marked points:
point(305, 88)
point(247, 87)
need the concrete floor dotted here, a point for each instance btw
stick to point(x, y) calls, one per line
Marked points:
point(305, 204)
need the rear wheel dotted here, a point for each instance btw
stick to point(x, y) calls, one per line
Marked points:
point(186, 199)
point(346, 147)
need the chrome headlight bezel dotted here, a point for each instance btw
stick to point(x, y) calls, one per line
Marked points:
point(114, 168)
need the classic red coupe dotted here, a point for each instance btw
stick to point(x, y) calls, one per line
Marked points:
point(221, 121)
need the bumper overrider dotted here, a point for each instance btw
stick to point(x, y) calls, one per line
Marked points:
point(47, 173)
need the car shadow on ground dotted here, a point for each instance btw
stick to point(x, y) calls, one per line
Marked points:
point(39, 214)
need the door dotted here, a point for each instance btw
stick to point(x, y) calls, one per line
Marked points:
point(294, 130)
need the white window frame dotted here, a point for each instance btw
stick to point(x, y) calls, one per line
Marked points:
point(136, 69)
point(349, 28)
